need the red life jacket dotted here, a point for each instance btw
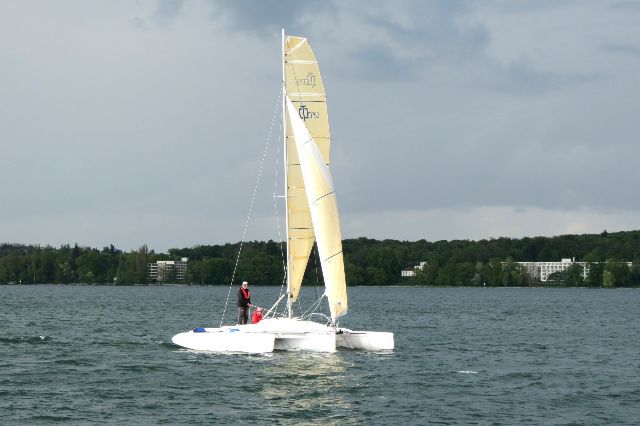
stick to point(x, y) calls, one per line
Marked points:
point(256, 317)
point(246, 293)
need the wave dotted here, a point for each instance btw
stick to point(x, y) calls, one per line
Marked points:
point(25, 339)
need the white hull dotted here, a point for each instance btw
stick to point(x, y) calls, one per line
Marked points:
point(297, 335)
point(226, 339)
point(282, 334)
point(365, 340)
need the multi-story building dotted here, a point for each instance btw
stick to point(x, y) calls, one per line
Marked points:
point(163, 269)
point(411, 272)
point(543, 270)
point(537, 270)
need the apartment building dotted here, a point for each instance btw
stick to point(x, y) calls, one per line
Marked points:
point(163, 269)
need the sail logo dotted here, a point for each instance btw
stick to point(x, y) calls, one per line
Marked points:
point(305, 114)
point(309, 80)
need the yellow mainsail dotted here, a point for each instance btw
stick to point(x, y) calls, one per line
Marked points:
point(311, 202)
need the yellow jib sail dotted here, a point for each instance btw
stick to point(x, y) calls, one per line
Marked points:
point(307, 118)
point(323, 207)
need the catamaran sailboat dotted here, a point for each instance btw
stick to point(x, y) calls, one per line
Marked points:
point(311, 216)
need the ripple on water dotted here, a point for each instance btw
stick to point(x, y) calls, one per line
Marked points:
point(8, 340)
point(466, 356)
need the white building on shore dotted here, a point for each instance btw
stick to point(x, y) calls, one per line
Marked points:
point(411, 272)
point(162, 269)
point(542, 270)
point(537, 270)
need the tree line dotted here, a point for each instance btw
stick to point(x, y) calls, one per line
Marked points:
point(490, 262)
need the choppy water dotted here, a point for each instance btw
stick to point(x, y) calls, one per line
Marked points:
point(463, 356)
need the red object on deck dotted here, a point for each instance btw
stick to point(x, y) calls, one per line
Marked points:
point(257, 316)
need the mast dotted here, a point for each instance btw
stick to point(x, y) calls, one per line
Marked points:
point(286, 180)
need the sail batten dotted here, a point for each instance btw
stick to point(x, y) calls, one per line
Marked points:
point(318, 199)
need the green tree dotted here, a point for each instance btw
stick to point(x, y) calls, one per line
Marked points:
point(170, 274)
point(354, 274)
point(620, 273)
point(493, 272)
point(595, 277)
point(64, 274)
point(608, 279)
point(635, 273)
point(573, 276)
point(375, 276)
point(510, 273)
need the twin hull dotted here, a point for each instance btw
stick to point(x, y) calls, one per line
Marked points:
point(282, 334)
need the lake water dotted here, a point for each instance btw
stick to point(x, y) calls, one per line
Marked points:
point(77, 354)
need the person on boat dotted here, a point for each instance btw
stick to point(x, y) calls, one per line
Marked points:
point(257, 316)
point(244, 303)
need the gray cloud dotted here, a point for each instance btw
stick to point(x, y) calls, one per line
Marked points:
point(524, 78)
point(168, 9)
point(627, 6)
point(432, 29)
point(449, 119)
point(622, 48)
point(268, 16)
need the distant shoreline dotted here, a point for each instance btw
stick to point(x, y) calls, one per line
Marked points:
point(367, 262)
point(277, 285)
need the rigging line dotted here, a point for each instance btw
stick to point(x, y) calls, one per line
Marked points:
point(253, 198)
point(299, 305)
point(315, 263)
point(312, 308)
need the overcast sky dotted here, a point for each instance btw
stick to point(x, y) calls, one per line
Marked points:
point(133, 122)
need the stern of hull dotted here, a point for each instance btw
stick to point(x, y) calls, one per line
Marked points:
point(365, 340)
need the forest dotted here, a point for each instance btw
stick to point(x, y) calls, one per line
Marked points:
point(490, 262)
